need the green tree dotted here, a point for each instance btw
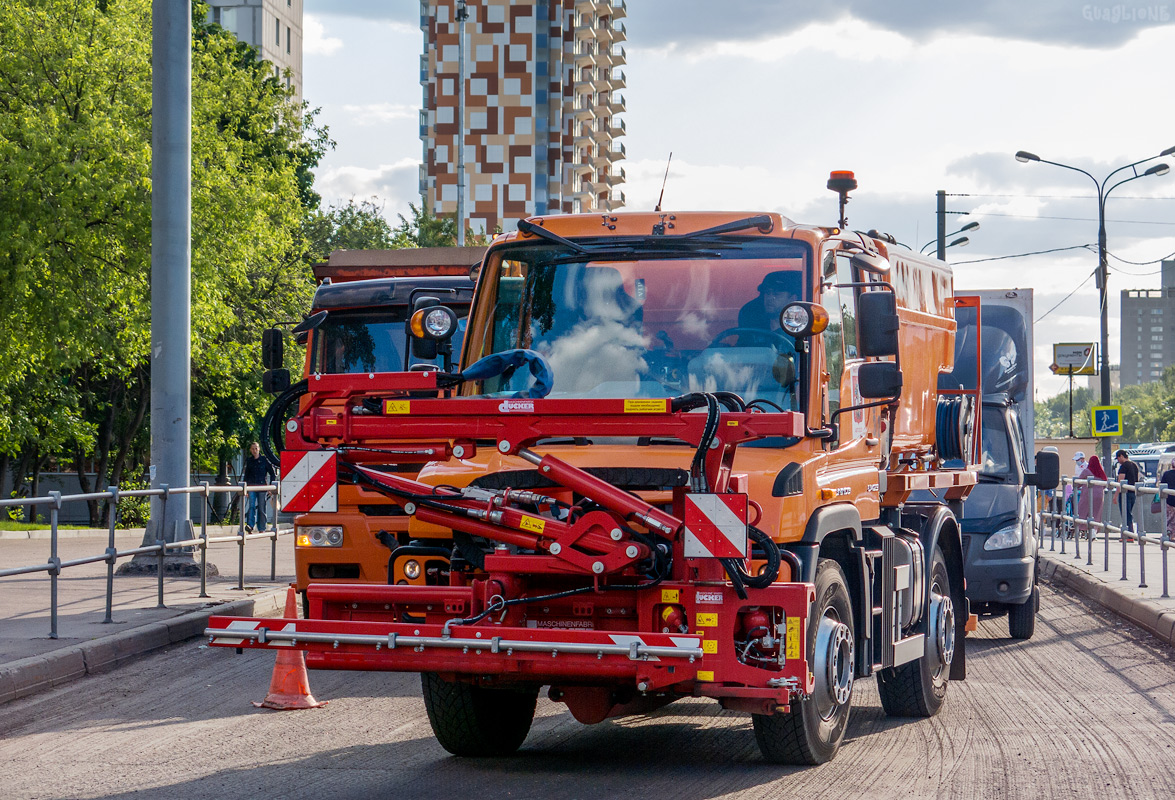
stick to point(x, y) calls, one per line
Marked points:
point(428, 230)
point(350, 226)
point(75, 184)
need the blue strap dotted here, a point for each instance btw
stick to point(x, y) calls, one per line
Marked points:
point(497, 363)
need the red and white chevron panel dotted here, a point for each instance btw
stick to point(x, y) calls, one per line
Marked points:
point(310, 481)
point(715, 526)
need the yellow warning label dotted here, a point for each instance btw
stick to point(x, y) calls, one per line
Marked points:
point(732, 422)
point(793, 638)
point(710, 646)
point(331, 421)
point(670, 596)
point(532, 524)
point(705, 674)
point(708, 620)
point(646, 406)
point(396, 406)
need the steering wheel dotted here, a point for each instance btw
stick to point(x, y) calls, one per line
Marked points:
point(779, 341)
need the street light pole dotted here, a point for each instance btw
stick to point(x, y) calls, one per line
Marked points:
point(1103, 270)
point(462, 15)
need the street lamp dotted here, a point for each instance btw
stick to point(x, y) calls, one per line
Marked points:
point(961, 241)
point(1103, 193)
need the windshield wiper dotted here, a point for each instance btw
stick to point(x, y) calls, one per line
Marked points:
point(526, 226)
point(626, 253)
point(760, 221)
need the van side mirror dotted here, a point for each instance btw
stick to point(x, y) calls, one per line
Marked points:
point(877, 324)
point(879, 379)
point(275, 381)
point(272, 348)
point(1048, 471)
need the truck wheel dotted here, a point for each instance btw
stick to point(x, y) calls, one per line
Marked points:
point(812, 731)
point(477, 721)
point(1022, 618)
point(918, 688)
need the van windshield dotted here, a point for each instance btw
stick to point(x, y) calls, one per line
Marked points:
point(649, 320)
point(369, 341)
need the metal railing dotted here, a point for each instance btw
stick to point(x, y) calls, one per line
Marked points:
point(160, 548)
point(1066, 524)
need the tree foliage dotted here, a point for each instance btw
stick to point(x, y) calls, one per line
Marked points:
point(1148, 411)
point(75, 230)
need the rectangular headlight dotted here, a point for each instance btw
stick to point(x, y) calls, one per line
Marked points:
point(319, 535)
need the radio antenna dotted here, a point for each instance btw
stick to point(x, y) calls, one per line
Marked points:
point(663, 182)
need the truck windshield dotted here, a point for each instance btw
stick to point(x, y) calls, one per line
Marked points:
point(651, 319)
point(350, 342)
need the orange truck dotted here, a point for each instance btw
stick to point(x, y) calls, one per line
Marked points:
point(675, 459)
point(360, 307)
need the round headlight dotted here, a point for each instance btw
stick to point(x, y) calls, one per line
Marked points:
point(412, 569)
point(334, 536)
point(795, 319)
point(317, 537)
point(438, 323)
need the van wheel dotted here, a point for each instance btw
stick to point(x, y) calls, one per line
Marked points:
point(1022, 618)
point(918, 688)
point(477, 721)
point(812, 731)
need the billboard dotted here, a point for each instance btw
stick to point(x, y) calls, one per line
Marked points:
point(1071, 358)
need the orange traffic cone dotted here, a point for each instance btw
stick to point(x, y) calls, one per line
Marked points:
point(289, 689)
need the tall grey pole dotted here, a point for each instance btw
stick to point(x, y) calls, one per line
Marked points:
point(1103, 275)
point(942, 225)
point(171, 280)
point(462, 15)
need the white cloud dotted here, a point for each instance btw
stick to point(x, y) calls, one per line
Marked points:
point(396, 183)
point(315, 41)
point(379, 113)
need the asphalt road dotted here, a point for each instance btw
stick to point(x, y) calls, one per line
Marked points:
point(1086, 709)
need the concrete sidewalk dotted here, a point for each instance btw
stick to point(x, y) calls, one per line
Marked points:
point(1139, 598)
point(31, 661)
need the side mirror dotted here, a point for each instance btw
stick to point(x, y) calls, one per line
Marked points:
point(1048, 471)
point(877, 324)
point(879, 379)
point(275, 381)
point(310, 323)
point(271, 348)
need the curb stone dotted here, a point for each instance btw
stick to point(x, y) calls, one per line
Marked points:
point(28, 676)
point(1156, 620)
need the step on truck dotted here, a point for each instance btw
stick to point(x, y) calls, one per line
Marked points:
point(675, 459)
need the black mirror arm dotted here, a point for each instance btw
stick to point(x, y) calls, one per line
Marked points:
point(886, 402)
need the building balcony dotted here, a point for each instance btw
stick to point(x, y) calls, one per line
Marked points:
point(619, 33)
point(583, 111)
point(618, 152)
point(587, 87)
point(601, 133)
point(618, 56)
point(616, 104)
point(614, 177)
point(617, 80)
point(619, 9)
point(585, 55)
point(618, 128)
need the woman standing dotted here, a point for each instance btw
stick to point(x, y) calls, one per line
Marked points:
point(1089, 503)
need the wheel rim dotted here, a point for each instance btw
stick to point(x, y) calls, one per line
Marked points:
point(942, 624)
point(833, 666)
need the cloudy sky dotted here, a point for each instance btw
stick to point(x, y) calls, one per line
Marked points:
point(759, 99)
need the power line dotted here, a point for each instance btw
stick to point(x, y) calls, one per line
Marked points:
point(1061, 196)
point(1071, 219)
point(1066, 297)
point(1139, 263)
point(1024, 255)
point(1133, 274)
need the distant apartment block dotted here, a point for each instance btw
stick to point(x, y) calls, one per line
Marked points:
point(1148, 330)
point(541, 111)
point(272, 26)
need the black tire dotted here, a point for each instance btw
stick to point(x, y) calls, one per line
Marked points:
point(812, 731)
point(477, 721)
point(918, 688)
point(1022, 618)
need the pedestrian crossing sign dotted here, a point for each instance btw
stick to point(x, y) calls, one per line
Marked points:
point(1107, 420)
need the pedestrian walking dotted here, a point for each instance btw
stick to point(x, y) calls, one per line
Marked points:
point(1167, 480)
point(1089, 501)
point(257, 472)
point(1127, 473)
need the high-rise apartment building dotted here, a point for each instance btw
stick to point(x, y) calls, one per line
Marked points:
point(541, 108)
point(272, 26)
point(1148, 330)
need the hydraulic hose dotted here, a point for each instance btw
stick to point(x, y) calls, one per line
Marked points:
point(272, 423)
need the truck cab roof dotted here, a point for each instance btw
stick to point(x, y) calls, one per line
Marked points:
point(391, 291)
